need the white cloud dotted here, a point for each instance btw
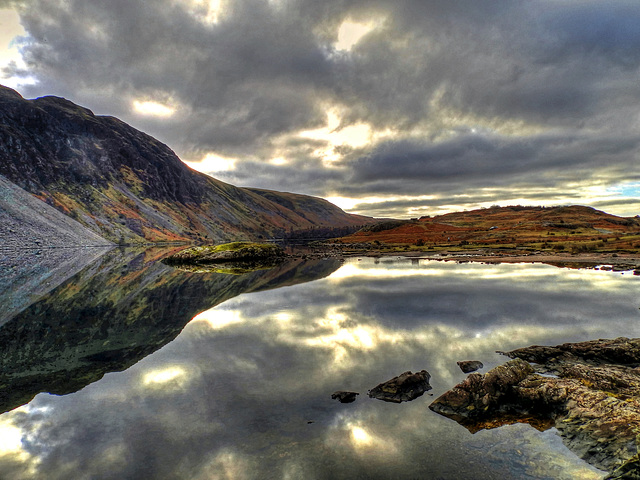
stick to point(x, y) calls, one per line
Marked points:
point(350, 33)
point(152, 108)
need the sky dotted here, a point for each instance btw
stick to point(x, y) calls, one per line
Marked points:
point(394, 108)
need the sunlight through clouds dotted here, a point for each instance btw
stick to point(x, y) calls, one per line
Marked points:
point(164, 376)
point(10, 437)
point(10, 33)
point(362, 438)
point(350, 33)
point(217, 318)
point(151, 108)
point(208, 12)
point(212, 163)
point(335, 135)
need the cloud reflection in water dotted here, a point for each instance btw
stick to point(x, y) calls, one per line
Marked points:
point(244, 391)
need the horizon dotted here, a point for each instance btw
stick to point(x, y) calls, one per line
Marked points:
point(392, 111)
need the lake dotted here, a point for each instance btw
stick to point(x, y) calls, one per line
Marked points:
point(131, 369)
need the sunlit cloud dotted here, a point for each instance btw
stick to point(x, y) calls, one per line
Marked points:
point(278, 161)
point(350, 33)
point(164, 376)
point(206, 11)
point(13, 440)
point(10, 34)
point(212, 163)
point(10, 437)
point(218, 318)
point(362, 438)
point(335, 135)
point(152, 108)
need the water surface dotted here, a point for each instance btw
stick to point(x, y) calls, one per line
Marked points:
point(231, 377)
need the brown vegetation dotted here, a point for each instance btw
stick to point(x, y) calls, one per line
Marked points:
point(571, 229)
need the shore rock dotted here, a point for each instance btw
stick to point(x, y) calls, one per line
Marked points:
point(590, 392)
point(469, 366)
point(403, 388)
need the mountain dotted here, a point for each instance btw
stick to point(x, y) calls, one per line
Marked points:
point(553, 227)
point(127, 186)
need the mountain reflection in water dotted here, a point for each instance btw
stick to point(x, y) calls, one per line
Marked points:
point(244, 391)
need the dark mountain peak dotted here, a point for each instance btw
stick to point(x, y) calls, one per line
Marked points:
point(9, 93)
point(59, 105)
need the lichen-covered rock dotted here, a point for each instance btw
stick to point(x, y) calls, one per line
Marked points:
point(480, 396)
point(592, 398)
point(344, 397)
point(468, 366)
point(403, 388)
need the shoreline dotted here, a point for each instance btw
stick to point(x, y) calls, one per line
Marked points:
point(622, 261)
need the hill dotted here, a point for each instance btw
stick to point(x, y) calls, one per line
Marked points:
point(569, 227)
point(127, 186)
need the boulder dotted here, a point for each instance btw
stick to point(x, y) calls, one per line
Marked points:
point(403, 388)
point(468, 366)
point(344, 397)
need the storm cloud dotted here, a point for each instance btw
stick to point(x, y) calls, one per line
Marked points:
point(374, 102)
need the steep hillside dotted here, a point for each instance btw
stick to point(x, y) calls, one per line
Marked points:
point(26, 221)
point(559, 227)
point(127, 186)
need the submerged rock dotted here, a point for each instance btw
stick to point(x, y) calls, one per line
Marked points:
point(403, 388)
point(469, 366)
point(592, 397)
point(344, 397)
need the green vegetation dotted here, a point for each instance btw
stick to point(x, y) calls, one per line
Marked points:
point(260, 255)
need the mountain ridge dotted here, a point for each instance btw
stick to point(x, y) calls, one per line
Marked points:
point(129, 187)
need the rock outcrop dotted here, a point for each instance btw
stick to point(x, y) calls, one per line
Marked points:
point(403, 388)
point(468, 366)
point(590, 391)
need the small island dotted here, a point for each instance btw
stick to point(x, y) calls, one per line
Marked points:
point(235, 257)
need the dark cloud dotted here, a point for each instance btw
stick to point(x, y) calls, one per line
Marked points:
point(471, 94)
point(490, 160)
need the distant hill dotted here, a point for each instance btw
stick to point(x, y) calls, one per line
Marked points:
point(127, 186)
point(561, 227)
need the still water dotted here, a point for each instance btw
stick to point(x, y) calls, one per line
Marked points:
point(163, 374)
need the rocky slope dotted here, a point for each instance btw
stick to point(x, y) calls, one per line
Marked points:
point(127, 186)
point(26, 221)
